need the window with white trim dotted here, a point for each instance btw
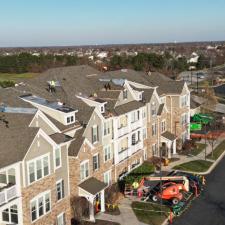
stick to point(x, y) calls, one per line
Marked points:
point(107, 177)
point(184, 119)
point(95, 137)
point(125, 94)
point(70, 119)
point(96, 163)
point(184, 100)
point(107, 127)
point(154, 129)
point(153, 109)
point(57, 158)
point(163, 126)
point(60, 190)
point(144, 113)
point(10, 215)
point(40, 206)
point(38, 168)
point(61, 219)
point(107, 153)
point(154, 150)
point(84, 170)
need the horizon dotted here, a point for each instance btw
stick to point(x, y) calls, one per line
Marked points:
point(48, 23)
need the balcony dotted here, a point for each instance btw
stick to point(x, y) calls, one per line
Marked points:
point(123, 131)
point(136, 147)
point(123, 155)
point(7, 193)
point(136, 124)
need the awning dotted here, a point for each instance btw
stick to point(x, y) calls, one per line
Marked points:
point(169, 136)
point(93, 185)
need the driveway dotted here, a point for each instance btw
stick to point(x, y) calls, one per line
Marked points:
point(209, 208)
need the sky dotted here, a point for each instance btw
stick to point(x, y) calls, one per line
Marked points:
point(92, 22)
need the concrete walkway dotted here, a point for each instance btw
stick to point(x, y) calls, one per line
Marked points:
point(189, 158)
point(126, 217)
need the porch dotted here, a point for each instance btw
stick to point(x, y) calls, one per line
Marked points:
point(168, 144)
point(94, 191)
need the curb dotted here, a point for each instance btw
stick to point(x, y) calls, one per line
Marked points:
point(211, 168)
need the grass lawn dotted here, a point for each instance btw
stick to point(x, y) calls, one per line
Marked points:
point(217, 151)
point(16, 76)
point(152, 216)
point(194, 166)
point(200, 147)
point(97, 222)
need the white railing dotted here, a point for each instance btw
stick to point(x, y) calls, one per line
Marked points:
point(7, 194)
point(123, 155)
point(136, 124)
point(122, 131)
point(136, 147)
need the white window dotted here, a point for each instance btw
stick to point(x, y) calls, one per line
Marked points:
point(132, 117)
point(96, 163)
point(61, 219)
point(144, 113)
point(163, 126)
point(57, 158)
point(40, 205)
point(135, 116)
point(107, 153)
point(154, 129)
point(84, 170)
point(95, 134)
point(123, 145)
point(60, 190)
point(106, 128)
point(124, 94)
point(153, 109)
point(122, 121)
point(184, 100)
point(140, 96)
point(10, 215)
point(102, 109)
point(70, 119)
point(38, 168)
point(154, 150)
point(144, 133)
point(108, 177)
point(184, 119)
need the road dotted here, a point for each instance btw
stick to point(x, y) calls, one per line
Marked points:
point(209, 208)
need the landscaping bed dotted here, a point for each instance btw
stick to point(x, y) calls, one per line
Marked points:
point(199, 148)
point(217, 151)
point(194, 166)
point(137, 174)
point(97, 222)
point(150, 213)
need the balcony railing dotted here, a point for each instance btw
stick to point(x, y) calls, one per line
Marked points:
point(122, 131)
point(136, 147)
point(123, 155)
point(7, 194)
point(136, 124)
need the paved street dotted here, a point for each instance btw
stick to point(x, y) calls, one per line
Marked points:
point(209, 208)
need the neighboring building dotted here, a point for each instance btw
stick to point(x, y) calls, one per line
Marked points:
point(79, 139)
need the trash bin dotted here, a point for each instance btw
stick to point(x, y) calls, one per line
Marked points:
point(166, 162)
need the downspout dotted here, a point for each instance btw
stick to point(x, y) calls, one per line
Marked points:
point(171, 113)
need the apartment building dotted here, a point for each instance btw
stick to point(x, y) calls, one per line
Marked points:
point(78, 140)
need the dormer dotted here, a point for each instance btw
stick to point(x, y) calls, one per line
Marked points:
point(56, 110)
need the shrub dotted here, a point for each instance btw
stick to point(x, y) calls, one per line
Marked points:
point(137, 174)
point(7, 83)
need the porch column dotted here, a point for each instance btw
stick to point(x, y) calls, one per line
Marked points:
point(174, 147)
point(91, 209)
point(103, 201)
point(169, 146)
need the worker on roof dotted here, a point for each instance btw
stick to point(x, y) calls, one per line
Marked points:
point(52, 86)
point(135, 185)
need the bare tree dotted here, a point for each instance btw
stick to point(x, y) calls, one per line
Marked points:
point(80, 208)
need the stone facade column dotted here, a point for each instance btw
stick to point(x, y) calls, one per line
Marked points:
point(103, 201)
point(91, 209)
point(174, 147)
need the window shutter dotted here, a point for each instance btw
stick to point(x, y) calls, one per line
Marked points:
point(63, 193)
point(97, 134)
point(98, 161)
point(93, 163)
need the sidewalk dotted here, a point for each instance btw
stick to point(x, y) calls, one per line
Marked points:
point(126, 217)
point(189, 158)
